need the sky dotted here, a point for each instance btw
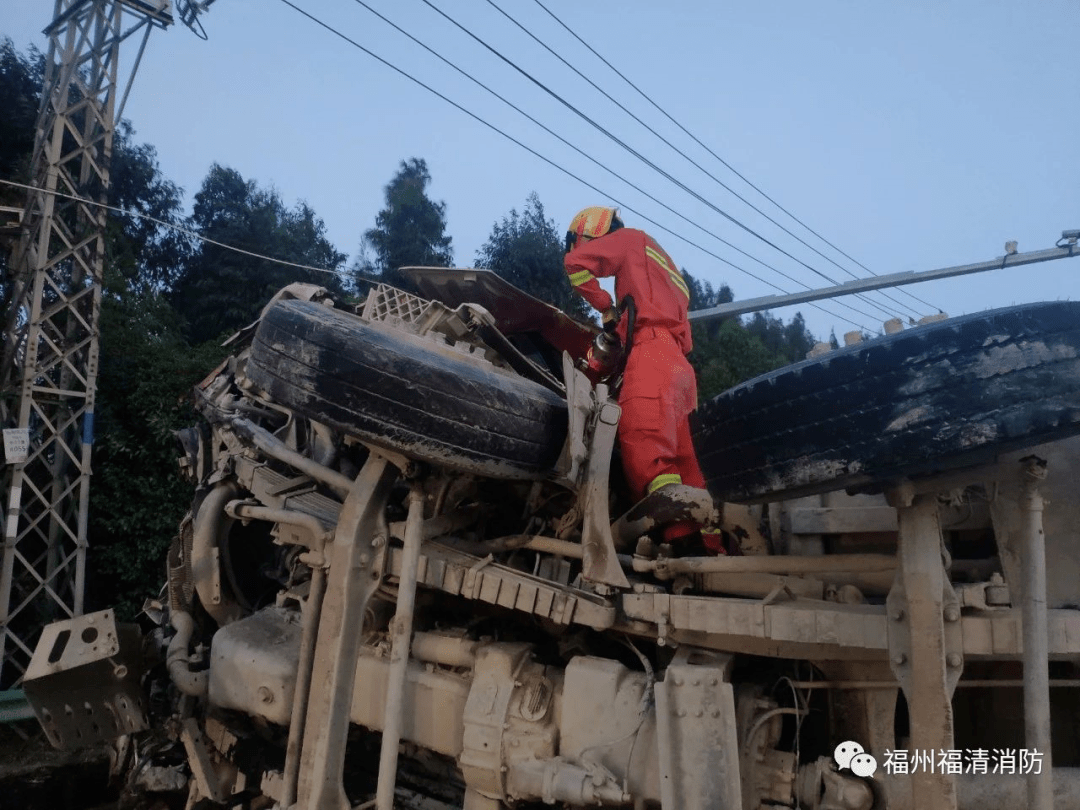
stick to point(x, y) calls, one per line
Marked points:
point(912, 135)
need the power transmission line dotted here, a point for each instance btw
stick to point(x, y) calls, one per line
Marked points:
point(547, 160)
point(589, 157)
point(711, 152)
point(693, 162)
point(175, 227)
point(633, 151)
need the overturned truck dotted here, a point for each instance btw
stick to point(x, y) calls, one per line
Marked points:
point(411, 578)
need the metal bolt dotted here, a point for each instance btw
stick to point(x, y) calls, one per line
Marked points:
point(696, 682)
point(715, 712)
point(698, 713)
point(714, 681)
point(951, 613)
point(954, 659)
point(265, 695)
point(897, 614)
point(899, 659)
point(681, 712)
point(379, 541)
point(677, 681)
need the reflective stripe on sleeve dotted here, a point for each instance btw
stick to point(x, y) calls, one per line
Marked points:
point(662, 481)
point(580, 277)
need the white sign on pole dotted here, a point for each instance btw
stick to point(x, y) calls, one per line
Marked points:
point(16, 444)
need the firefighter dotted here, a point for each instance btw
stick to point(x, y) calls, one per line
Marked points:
point(659, 389)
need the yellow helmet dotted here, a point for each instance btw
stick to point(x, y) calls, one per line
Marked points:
point(592, 222)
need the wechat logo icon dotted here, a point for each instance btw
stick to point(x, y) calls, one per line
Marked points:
point(850, 755)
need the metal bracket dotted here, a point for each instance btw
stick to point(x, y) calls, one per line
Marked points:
point(83, 681)
point(601, 563)
point(925, 638)
point(579, 405)
point(486, 717)
point(696, 733)
point(992, 595)
point(900, 634)
point(202, 767)
point(357, 558)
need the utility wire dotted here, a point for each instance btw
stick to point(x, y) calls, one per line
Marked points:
point(695, 164)
point(711, 152)
point(633, 151)
point(589, 157)
point(550, 162)
point(175, 227)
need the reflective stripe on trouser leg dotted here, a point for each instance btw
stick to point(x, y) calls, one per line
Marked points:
point(662, 480)
point(687, 464)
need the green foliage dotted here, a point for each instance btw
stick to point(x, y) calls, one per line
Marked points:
point(703, 296)
point(728, 358)
point(218, 290)
point(143, 255)
point(410, 230)
point(145, 378)
point(527, 251)
point(791, 341)
point(727, 352)
point(20, 94)
point(20, 91)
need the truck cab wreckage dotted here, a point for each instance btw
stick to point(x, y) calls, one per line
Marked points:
point(410, 576)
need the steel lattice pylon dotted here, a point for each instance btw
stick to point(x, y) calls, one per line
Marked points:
point(51, 342)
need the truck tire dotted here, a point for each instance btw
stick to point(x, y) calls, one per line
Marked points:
point(924, 400)
point(415, 395)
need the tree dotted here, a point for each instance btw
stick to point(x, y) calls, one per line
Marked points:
point(729, 358)
point(703, 296)
point(790, 341)
point(219, 290)
point(145, 367)
point(145, 378)
point(142, 253)
point(727, 351)
point(527, 251)
point(410, 230)
point(797, 339)
point(20, 96)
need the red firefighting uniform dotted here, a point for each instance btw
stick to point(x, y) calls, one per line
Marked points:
point(659, 387)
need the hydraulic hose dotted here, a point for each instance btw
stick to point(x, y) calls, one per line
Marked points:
point(176, 659)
